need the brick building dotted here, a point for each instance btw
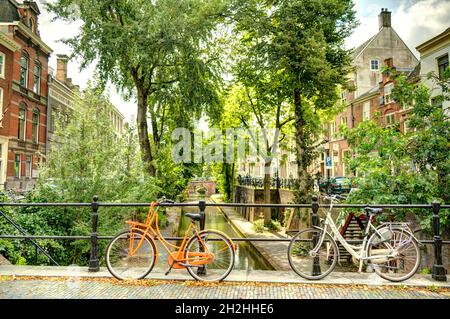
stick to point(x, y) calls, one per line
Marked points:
point(23, 94)
point(372, 91)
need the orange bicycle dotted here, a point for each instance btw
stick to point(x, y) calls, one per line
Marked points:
point(208, 255)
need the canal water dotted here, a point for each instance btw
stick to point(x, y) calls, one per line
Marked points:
point(247, 256)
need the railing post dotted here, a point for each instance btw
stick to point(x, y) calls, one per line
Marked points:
point(315, 222)
point(202, 207)
point(438, 273)
point(93, 261)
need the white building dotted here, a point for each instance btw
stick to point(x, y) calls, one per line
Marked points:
point(434, 56)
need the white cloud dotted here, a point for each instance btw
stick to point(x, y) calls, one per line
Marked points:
point(415, 21)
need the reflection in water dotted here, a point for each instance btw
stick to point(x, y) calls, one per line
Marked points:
point(247, 257)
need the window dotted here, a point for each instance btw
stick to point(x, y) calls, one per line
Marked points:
point(344, 97)
point(37, 79)
point(333, 130)
point(17, 166)
point(387, 93)
point(24, 71)
point(366, 111)
point(390, 119)
point(32, 25)
point(437, 101)
point(35, 127)
point(28, 166)
point(442, 64)
point(406, 127)
point(2, 65)
point(22, 123)
point(374, 65)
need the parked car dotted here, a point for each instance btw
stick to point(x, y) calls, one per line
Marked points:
point(336, 185)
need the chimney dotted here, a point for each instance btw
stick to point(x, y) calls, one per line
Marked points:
point(61, 67)
point(389, 62)
point(384, 18)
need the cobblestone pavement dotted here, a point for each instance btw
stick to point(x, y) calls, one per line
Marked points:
point(63, 288)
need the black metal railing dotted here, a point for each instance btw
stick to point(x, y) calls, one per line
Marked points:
point(438, 272)
point(275, 182)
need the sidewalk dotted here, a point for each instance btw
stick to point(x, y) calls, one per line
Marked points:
point(260, 276)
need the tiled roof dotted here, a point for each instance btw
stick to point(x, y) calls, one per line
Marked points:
point(8, 11)
point(375, 89)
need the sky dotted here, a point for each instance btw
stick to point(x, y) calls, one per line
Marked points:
point(414, 20)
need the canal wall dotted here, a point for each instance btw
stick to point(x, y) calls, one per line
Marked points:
point(274, 252)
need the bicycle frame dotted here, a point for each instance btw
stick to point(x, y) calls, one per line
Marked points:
point(176, 257)
point(358, 252)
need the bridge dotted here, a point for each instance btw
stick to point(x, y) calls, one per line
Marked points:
point(93, 281)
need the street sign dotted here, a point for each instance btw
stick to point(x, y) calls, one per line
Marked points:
point(328, 163)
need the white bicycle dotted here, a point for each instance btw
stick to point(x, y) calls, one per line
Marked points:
point(390, 249)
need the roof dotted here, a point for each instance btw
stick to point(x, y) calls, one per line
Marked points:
point(374, 90)
point(8, 11)
point(361, 48)
point(433, 41)
point(415, 73)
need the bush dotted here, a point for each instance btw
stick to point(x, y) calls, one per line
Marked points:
point(201, 190)
point(258, 226)
point(274, 225)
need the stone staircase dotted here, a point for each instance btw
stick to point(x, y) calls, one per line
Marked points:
point(350, 230)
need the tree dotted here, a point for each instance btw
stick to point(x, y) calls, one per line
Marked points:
point(159, 51)
point(88, 159)
point(301, 43)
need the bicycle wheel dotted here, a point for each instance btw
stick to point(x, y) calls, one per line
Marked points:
point(304, 262)
point(404, 245)
point(221, 248)
point(125, 267)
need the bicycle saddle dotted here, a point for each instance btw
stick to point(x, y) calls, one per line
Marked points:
point(374, 211)
point(193, 216)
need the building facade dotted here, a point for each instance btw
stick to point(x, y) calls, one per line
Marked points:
point(24, 91)
point(370, 92)
point(434, 58)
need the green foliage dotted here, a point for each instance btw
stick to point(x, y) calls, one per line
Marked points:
point(425, 271)
point(201, 190)
point(88, 159)
point(274, 225)
point(165, 53)
point(258, 226)
point(297, 47)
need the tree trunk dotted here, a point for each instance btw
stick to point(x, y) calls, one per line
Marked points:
point(267, 210)
point(302, 195)
point(142, 127)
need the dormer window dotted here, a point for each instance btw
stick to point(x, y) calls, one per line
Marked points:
point(374, 65)
point(31, 24)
